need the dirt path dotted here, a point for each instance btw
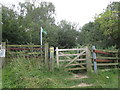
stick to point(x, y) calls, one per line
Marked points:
point(80, 76)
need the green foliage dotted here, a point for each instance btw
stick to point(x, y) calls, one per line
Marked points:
point(31, 73)
point(67, 35)
point(109, 22)
point(103, 31)
point(12, 30)
point(28, 73)
point(24, 27)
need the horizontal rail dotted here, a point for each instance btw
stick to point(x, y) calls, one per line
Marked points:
point(103, 60)
point(106, 64)
point(23, 57)
point(109, 51)
point(25, 45)
point(108, 58)
point(70, 49)
point(25, 53)
point(24, 48)
point(101, 52)
point(69, 54)
point(70, 60)
point(75, 69)
point(77, 64)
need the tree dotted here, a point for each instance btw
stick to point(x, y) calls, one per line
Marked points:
point(12, 28)
point(109, 22)
point(91, 35)
point(67, 35)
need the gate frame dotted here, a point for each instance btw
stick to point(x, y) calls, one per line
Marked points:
point(85, 50)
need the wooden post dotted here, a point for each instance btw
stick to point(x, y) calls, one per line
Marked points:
point(88, 60)
point(46, 55)
point(51, 63)
point(94, 59)
point(57, 57)
point(2, 54)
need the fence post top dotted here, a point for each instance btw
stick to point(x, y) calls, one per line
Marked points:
point(93, 47)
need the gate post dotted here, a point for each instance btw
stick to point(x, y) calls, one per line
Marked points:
point(88, 60)
point(2, 54)
point(51, 63)
point(46, 55)
point(94, 59)
point(57, 57)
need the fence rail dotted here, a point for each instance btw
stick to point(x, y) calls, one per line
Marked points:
point(72, 59)
point(27, 51)
point(104, 58)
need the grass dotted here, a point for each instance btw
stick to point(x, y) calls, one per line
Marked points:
point(104, 79)
point(31, 73)
point(0, 78)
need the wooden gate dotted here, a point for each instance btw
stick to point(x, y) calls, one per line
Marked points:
point(74, 59)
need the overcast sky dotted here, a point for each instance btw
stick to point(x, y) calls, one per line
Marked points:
point(78, 11)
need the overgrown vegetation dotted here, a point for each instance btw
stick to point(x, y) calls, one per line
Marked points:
point(31, 73)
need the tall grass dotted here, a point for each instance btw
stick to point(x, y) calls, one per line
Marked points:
point(31, 73)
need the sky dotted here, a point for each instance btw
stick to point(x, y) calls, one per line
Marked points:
point(76, 11)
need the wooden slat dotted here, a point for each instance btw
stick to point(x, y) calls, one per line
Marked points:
point(103, 60)
point(110, 51)
point(77, 64)
point(106, 64)
point(26, 52)
point(24, 45)
point(75, 68)
point(70, 49)
point(24, 48)
point(69, 54)
point(75, 58)
point(70, 60)
point(108, 58)
point(102, 52)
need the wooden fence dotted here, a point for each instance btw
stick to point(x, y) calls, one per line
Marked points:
point(43, 53)
point(71, 59)
point(74, 59)
point(104, 59)
point(27, 51)
point(83, 58)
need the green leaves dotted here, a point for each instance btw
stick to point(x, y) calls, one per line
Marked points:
point(109, 22)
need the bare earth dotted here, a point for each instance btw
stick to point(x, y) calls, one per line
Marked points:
point(80, 76)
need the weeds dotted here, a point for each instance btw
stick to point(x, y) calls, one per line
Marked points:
point(31, 73)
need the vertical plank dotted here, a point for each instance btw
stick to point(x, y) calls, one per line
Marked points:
point(46, 55)
point(88, 60)
point(51, 63)
point(57, 57)
point(94, 59)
